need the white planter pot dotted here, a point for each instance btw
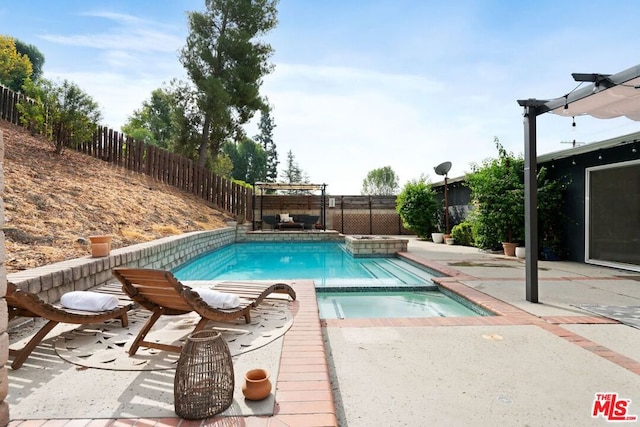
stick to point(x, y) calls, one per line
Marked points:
point(521, 251)
point(450, 241)
point(437, 237)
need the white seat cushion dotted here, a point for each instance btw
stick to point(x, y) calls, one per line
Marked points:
point(217, 299)
point(89, 301)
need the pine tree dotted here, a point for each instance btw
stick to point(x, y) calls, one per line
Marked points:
point(265, 138)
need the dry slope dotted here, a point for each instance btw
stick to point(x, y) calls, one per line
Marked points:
point(53, 203)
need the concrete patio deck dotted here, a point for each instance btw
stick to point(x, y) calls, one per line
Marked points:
point(533, 364)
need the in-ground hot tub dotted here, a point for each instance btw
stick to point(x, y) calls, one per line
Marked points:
point(375, 246)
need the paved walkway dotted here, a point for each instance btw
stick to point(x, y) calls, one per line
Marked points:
point(534, 364)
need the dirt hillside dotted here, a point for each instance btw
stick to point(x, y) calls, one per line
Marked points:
point(53, 203)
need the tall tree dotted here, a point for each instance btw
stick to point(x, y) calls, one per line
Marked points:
point(35, 57)
point(15, 68)
point(380, 182)
point(153, 122)
point(226, 62)
point(293, 174)
point(249, 160)
point(265, 138)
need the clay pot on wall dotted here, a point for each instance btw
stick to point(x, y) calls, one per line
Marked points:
point(100, 245)
point(257, 385)
point(437, 237)
point(521, 252)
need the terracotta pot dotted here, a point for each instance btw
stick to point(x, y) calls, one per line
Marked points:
point(100, 245)
point(257, 385)
point(509, 248)
point(450, 240)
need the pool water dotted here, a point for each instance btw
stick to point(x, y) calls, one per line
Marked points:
point(387, 304)
point(328, 264)
point(347, 287)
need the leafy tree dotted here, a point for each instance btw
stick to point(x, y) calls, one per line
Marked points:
point(265, 138)
point(35, 57)
point(15, 68)
point(221, 165)
point(61, 111)
point(497, 189)
point(153, 122)
point(249, 160)
point(416, 204)
point(226, 62)
point(380, 182)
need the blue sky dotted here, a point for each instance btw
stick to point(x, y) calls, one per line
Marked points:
point(362, 84)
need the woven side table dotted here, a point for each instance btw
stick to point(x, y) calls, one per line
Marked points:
point(204, 381)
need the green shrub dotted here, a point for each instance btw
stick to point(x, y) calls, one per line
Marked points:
point(463, 234)
point(416, 205)
point(61, 111)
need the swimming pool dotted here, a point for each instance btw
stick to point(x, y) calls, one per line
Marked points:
point(389, 304)
point(326, 263)
point(347, 287)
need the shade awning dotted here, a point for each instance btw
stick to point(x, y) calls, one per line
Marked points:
point(607, 97)
point(616, 101)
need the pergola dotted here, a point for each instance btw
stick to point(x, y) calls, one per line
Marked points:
point(607, 96)
point(278, 186)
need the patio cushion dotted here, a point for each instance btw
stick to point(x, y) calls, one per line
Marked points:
point(218, 299)
point(89, 301)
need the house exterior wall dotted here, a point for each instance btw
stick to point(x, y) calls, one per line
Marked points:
point(574, 230)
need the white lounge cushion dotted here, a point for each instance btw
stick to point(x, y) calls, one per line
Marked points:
point(217, 299)
point(89, 301)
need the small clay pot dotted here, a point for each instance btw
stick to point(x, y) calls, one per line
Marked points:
point(100, 245)
point(257, 385)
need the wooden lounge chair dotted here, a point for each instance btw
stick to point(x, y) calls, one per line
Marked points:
point(25, 304)
point(161, 293)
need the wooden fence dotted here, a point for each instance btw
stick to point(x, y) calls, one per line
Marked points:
point(114, 147)
point(347, 214)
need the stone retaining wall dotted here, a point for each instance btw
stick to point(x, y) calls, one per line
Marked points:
point(80, 274)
